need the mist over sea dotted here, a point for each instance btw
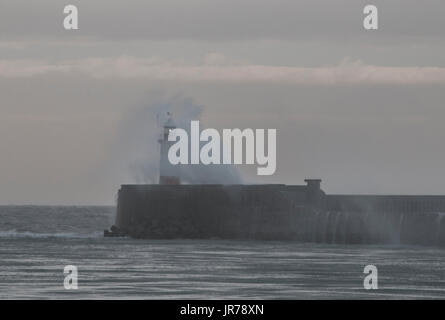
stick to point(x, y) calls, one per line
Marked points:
point(36, 242)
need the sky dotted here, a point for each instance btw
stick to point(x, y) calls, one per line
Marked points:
point(362, 110)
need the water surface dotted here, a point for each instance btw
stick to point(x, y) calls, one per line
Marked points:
point(37, 242)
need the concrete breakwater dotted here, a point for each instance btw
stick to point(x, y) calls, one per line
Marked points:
point(277, 212)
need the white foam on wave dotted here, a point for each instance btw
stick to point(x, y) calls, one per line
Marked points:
point(66, 235)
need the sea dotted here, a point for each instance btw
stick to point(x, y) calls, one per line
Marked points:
point(38, 242)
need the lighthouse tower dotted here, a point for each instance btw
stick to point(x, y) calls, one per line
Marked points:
point(168, 173)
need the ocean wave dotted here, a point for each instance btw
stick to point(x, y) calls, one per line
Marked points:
point(66, 235)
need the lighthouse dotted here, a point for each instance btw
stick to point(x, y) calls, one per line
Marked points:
point(168, 173)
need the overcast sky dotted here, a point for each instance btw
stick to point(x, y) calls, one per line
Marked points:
point(363, 110)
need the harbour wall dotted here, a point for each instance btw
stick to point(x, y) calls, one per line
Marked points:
point(278, 212)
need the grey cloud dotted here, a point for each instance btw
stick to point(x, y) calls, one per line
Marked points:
point(219, 68)
point(339, 20)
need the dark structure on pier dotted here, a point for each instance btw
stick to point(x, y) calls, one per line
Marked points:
point(278, 212)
